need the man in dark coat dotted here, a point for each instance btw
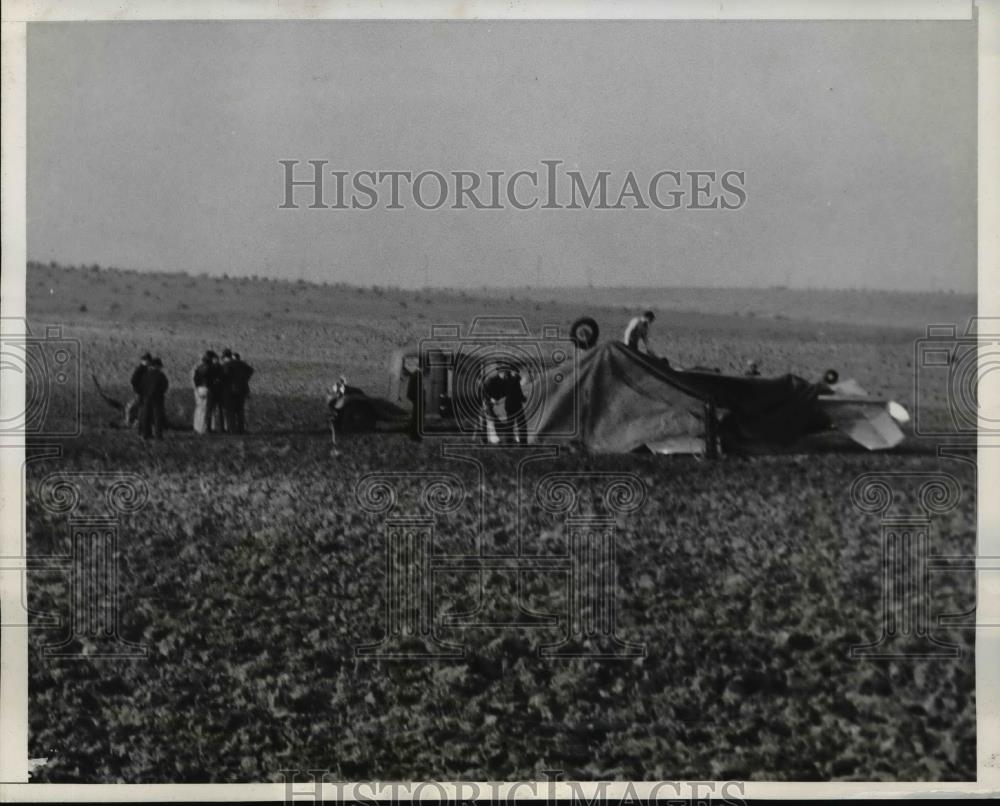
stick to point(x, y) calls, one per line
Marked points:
point(415, 394)
point(201, 379)
point(132, 409)
point(485, 416)
point(227, 394)
point(236, 389)
point(492, 391)
point(153, 387)
point(516, 426)
point(215, 383)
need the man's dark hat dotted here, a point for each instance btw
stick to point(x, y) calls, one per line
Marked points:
point(210, 354)
point(146, 357)
point(227, 353)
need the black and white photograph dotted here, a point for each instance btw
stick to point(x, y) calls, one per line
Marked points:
point(563, 401)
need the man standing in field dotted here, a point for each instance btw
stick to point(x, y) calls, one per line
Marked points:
point(214, 416)
point(491, 390)
point(227, 394)
point(333, 396)
point(240, 372)
point(516, 427)
point(637, 332)
point(132, 408)
point(203, 376)
point(415, 394)
point(236, 375)
point(153, 391)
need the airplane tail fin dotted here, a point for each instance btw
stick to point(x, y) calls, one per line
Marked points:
point(115, 404)
point(868, 424)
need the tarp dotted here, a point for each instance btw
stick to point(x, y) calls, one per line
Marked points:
point(616, 400)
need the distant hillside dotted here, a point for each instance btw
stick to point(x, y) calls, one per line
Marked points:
point(118, 293)
point(301, 336)
point(892, 309)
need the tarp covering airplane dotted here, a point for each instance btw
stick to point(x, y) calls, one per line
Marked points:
point(618, 400)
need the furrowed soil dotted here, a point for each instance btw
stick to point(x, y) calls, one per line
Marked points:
point(252, 574)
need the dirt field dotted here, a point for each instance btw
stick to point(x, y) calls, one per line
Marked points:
point(252, 573)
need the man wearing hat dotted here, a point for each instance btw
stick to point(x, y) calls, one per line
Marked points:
point(216, 384)
point(204, 377)
point(415, 394)
point(491, 390)
point(236, 374)
point(153, 390)
point(244, 374)
point(132, 409)
point(225, 393)
point(515, 426)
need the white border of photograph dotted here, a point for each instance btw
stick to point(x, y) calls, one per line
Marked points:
point(14, 670)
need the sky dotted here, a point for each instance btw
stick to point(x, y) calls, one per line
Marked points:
point(156, 146)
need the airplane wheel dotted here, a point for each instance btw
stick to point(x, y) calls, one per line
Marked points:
point(584, 332)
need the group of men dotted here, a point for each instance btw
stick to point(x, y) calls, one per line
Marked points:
point(149, 385)
point(221, 389)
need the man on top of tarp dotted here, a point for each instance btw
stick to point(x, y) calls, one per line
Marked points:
point(638, 332)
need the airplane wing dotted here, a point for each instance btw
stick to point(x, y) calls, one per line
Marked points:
point(866, 421)
point(678, 445)
point(849, 388)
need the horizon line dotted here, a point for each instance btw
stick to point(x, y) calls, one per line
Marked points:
point(257, 277)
